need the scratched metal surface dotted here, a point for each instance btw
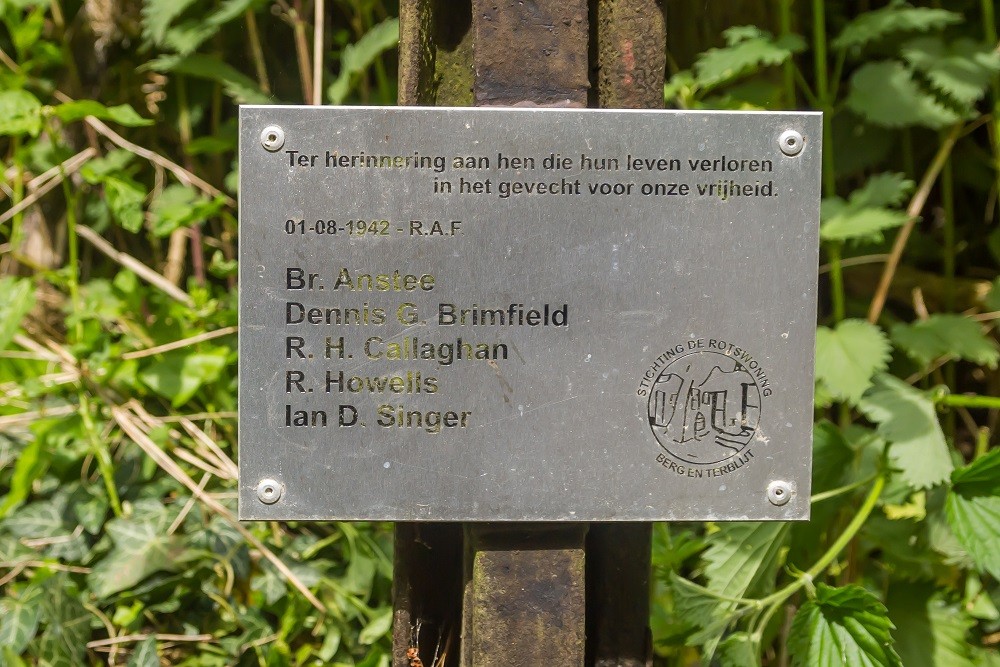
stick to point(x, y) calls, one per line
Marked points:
point(558, 430)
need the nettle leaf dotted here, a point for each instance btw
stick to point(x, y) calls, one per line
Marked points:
point(907, 419)
point(848, 356)
point(241, 88)
point(125, 198)
point(123, 114)
point(377, 628)
point(20, 113)
point(742, 556)
point(973, 510)
point(872, 26)
point(749, 49)
point(929, 631)
point(961, 69)
point(885, 93)
point(180, 206)
point(864, 215)
point(946, 335)
point(703, 613)
point(737, 650)
point(141, 548)
point(842, 626)
point(179, 376)
point(157, 15)
point(356, 58)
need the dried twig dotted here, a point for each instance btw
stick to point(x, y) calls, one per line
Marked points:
point(131, 263)
point(912, 214)
point(125, 639)
point(68, 167)
point(178, 344)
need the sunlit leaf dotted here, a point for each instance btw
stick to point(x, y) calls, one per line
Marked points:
point(357, 57)
point(960, 68)
point(973, 507)
point(747, 50)
point(945, 335)
point(885, 93)
point(871, 26)
point(848, 356)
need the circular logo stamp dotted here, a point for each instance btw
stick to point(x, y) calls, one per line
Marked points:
point(704, 400)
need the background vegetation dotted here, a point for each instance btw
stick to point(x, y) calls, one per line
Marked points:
point(118, 543)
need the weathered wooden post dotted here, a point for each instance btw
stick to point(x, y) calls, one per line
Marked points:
point(522, 582)
point(524, 332)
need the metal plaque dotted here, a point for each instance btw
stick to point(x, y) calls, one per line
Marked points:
point(526, 314)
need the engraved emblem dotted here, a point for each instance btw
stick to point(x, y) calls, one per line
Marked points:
point(704, 403)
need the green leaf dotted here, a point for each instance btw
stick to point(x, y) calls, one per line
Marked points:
point(864, 215)
point(20, 113)
point(19, 618)
point(31, 464)
point(69, 112)
point(737, 650)
point(865, 223)
point(907, 419)
point(946, 336)
point(872, 26)
point(885, 93)
point(961, 69)
point(842, 626)
point(123, 114)
point(377, 627)
point(357, 57)
point(973, 510)
point(928, 630)
point(144, 654)
point(157, 15)
point(125, 199)
point(179, 376)
point(141, 548)
point(831, 456)
point(67, 629)
point(848, 356)
point(704, 614)
point(180, 206)
point(742, 556)
point(748, 50)
point(235, 84)
point(17, 298)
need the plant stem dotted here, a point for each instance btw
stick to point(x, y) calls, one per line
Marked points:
point(788, 70)
point(317, 80)
point(831, 554)
point(912, 212)
point(257, 52)
point(836, 280)
point(948, 204)
point(982, 442)
point(16, 222)
point(301, 50)
point(970, 401)
point(832, 493)
point(990, 33)
point(101, 454)
point(72, 243)
point(823, 94)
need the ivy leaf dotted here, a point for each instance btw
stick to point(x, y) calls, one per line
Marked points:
point(946, 335)
point(842, 626)
point(886, 94)
point(19, 618)
point(357, 57)
point(848, 356)
point(930, 631)
point(973, 510)
point(20, 113)
point(67, 629)
point(748, 49)
point(907, 419)
point(961, 69)
point(141, 548)
point(144, 654)
point(872, 26)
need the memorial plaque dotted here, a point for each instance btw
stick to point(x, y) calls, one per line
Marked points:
point(526, 314)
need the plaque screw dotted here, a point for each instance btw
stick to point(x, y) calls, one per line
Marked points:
point(272, 138)
point(779, 492)
point(791, 143)
point(269, 491)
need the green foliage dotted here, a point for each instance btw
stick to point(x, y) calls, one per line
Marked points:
point(973, 506)
point(358, 57)
point(848, 356)
point(842, 626)
point(943, 335)
point(747, 49)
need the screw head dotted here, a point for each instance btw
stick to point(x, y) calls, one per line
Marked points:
point(269, 491)
point(791, 143)
point(272, 138)
point(779, 492)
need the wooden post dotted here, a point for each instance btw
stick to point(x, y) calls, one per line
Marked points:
point(564, 595)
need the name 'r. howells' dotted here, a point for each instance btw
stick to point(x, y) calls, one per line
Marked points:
point(516, 314)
